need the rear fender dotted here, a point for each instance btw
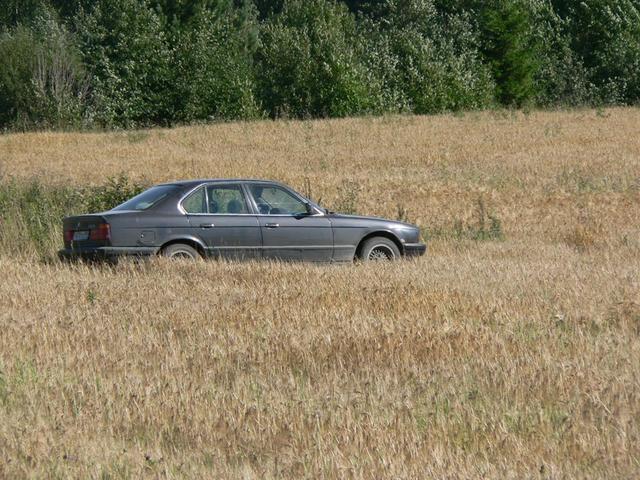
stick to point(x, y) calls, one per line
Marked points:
point(195, 242)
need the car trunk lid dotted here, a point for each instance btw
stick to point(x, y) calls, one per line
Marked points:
point(86, 231)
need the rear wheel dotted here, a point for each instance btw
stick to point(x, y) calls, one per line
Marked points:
point(378, 249)
point(181, 251)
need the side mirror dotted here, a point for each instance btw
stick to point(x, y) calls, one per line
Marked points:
point(310, 209)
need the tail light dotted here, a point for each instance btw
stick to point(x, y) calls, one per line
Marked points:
point(68, 236)
point(101, 232)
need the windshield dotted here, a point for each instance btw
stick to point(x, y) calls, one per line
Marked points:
point(148, 198)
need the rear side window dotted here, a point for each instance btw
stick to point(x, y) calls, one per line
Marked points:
point(148, 198)
point(226, 199)
point(196, 202)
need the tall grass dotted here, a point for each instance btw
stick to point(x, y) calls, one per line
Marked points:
point(31, 211)
point(509, 351)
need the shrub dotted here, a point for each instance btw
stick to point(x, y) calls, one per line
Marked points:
point(125, 49)
point(31, 212)
point(31, 216)
point(435, 56)
point(215, 57)
point(606, 36)
point(115, 191)
point(510, 50)
point(308, 62)
point(42, 80)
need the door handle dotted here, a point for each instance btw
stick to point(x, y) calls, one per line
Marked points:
point(207, 225)
point(272, 225)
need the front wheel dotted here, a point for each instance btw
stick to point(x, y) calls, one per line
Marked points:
point(181, 251)
point(378, 249)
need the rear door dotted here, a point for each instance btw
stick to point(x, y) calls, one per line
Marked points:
point(219, 215)
point(288, 231)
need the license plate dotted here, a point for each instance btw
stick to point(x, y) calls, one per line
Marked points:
point(79, 236)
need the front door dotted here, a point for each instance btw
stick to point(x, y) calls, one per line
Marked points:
point(220, 217)
point(289, 232)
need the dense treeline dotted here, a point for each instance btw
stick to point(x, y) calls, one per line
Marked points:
point(125, 63)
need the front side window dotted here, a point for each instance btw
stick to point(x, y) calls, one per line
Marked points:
point(226, 199)
point(272, 200)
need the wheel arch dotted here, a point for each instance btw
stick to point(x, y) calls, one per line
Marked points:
point(192, 242)
point(379, 233)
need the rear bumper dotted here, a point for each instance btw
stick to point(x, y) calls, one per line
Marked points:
point(414, 249)
point(104, 253)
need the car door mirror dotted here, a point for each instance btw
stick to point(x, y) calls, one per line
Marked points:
point(310, 209)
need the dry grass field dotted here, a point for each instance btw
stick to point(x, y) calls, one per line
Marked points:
point(511, 350)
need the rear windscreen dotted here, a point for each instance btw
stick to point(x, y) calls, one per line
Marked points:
point(148, 198)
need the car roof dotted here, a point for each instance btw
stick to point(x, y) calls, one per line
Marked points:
point(196, 182)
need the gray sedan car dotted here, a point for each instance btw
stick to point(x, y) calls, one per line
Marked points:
point(235, 219)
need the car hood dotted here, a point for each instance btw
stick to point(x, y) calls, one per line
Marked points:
point(364, 220)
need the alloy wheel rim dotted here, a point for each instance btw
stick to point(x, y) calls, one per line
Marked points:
point(381, 253)
point(181, 254)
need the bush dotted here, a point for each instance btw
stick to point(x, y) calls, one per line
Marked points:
point(125, 49)
point(43, 83)
point(31, 217)
point(215, 58)
point(31, 212)
point(309, 65)
point(606, 36)
point(115, 191)
point(435, 57)
point(510, 50)
point(561, 77)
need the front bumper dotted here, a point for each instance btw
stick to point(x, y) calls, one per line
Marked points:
point(414, 249)
point(104, 253)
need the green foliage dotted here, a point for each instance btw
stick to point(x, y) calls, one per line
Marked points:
point(127, 63)
point(510, 50)
point(115, 191)
point(606, 36)
point(31, 213)
point(16, 58)
point(42, 80)
point(215, 55)
point(17, 12)
point(309, 65)
point(177, 14)
point(561, 77)
point(125, 49)
point(435, 56)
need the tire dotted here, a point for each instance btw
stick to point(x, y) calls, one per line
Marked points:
point(379, 249)
point(181, 251)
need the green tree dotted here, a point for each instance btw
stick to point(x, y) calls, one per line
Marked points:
point(436, 59)
point(561, 77)
point(125, 49)
point(510, 50)
point(606, 36)
point(309, 65)
point(15, 12)
point(215, 58)
point(42, 80)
